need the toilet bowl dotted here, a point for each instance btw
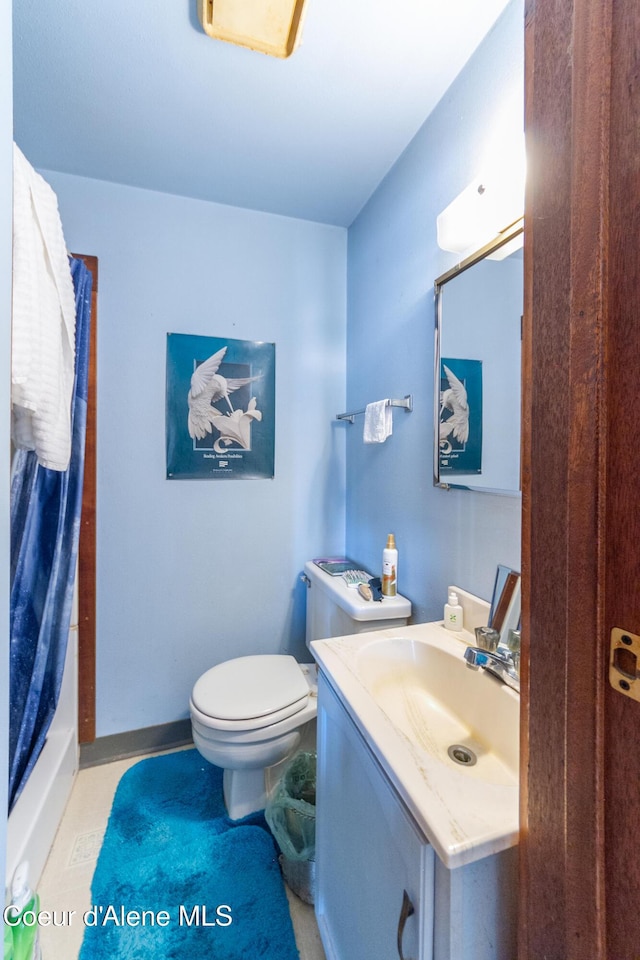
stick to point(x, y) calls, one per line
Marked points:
point(251, 713)
point(247, 714)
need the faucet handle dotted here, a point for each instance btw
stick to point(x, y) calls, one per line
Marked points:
point(487, 638)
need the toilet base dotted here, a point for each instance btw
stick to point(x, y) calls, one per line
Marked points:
point(247, 790)
point(244, 792)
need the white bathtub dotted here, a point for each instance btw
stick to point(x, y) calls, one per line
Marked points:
point(34, 820)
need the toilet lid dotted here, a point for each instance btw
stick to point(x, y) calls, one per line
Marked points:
point(249, 687)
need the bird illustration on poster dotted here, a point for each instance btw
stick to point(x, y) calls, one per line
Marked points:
point(454, 402)
point(208, 386)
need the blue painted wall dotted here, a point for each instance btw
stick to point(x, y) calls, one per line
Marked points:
point(6, 167)
point(194, 572)
point(393, 259)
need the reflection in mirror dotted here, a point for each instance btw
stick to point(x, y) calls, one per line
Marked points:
point(505, 603)
point(479, 306)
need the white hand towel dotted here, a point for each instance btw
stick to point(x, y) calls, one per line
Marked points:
point(378, 422)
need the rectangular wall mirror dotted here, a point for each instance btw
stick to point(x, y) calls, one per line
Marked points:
point(479, 306)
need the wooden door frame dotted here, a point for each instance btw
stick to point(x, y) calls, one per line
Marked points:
point(87, 546)
point(580, 883)
point(567, 55)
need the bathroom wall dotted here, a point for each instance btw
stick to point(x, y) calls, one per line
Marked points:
point(191, 572)
point(6, 165)
point(443, 536)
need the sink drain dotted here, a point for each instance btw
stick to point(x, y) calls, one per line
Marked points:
point(462, 755)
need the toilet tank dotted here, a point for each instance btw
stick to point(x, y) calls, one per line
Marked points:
point(335, 610)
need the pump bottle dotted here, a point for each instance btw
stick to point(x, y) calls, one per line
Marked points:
point(453, 613)
point(390, 568)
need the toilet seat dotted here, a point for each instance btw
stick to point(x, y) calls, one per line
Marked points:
point(248, 693)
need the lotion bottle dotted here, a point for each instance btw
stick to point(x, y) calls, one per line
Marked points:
point(390, 568)
point(453, 613)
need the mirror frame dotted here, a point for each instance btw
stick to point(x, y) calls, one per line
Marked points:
point(506, 236)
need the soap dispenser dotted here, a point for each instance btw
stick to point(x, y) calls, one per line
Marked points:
point(453, 612)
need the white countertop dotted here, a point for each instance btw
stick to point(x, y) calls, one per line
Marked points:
point(465, 814)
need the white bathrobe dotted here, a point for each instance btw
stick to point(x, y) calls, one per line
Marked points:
point(43, 324)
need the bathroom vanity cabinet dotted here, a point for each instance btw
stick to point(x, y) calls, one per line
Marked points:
point(381, 891)
point(375, 870)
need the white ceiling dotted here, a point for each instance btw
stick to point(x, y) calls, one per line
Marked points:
point(134, 91)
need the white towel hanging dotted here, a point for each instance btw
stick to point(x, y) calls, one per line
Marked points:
point(43, 340)
point(378, 422)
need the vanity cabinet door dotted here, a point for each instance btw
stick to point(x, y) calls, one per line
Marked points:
point(374, 890)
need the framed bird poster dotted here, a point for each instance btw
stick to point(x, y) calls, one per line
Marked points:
point(460, 443)
point(220, 408)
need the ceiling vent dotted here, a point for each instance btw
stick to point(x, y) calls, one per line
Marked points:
point(269, 26)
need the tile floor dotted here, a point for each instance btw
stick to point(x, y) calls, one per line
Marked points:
point(66, 881)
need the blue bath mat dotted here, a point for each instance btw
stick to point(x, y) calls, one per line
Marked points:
point(176, 878)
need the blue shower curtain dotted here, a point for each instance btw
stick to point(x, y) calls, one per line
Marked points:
point(45, 530)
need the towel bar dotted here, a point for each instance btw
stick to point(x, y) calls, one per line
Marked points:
point(406, 403)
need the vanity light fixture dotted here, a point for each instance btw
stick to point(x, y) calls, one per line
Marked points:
point(491, 203)
point(274, 28)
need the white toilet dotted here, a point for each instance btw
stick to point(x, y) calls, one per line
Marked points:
point(248, 714)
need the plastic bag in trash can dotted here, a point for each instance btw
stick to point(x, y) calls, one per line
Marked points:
point(291, 811)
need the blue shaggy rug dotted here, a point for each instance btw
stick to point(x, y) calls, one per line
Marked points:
point(176, 878)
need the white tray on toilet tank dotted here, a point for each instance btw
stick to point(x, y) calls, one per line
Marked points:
point(348, 612)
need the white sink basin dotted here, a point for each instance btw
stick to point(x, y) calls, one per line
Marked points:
point(413, 696)
point(437, 700)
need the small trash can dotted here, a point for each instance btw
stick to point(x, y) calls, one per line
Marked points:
point(291, 815)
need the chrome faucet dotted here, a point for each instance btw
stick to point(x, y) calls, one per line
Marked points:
point(500, 663)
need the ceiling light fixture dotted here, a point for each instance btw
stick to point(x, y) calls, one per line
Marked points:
point(272, 27)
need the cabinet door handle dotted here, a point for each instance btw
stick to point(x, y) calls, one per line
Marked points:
point(406, 911)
